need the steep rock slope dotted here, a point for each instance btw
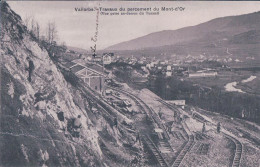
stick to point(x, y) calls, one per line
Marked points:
point(34, 115)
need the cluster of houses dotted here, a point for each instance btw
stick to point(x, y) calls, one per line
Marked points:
point(105, 58)
point(166, 67)
point(91, 68)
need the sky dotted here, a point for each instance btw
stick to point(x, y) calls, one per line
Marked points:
point(77, 28)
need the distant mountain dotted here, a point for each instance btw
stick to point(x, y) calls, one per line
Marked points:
point(249, 37)
point(216, 29)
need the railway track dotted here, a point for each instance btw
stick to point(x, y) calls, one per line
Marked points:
point(203, 149)
point(147, 110)
point(168, 105)
point(238, 144)
point(111, 114)
point(238, 151)
point(165, 147)
point(183, 152)
point(186, 147)
point(152, 147)
point(157, 154)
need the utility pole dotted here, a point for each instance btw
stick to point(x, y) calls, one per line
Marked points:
point(103, 91)
point(103, 63)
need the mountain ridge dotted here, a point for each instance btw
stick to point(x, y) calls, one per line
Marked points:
point(229, 25)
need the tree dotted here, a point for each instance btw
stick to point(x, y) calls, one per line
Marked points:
point(32, 25)
point(27, 20)
point(37, 30)
point(51, 32)
point(63, 45)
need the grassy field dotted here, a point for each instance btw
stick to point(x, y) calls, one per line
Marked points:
point(221, 79)
point(252, 87)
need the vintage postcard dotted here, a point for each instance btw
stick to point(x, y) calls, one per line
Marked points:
point(130, 84)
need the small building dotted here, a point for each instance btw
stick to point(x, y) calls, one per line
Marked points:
point(91, 74)
point(169, 68)
point(162, 62)
point(158, 130)
point(89, 58)
point(94, 80)
point(203, 74)
point(108, 58)
point(168, 73)
point(97, 58)
point(178, 102)
point(109, 91)
point(133, 59)
point(139, 80)
point(144, 68)
point(148, 66)
point(140, 62)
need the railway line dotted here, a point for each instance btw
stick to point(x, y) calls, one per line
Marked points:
point(185, 148)
point(202, 148)
point(146, 139)
point(157, 154)
point(188, 145)
point(168, 105)
point(238, 151)
point(183, 152)
point(109, 111)
point(147, 109)
point(238, 144)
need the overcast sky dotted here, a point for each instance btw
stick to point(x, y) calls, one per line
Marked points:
point(77, 28)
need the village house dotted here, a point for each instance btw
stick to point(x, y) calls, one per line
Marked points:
point(203, 74)
point(97, 59)
point(108, 58)
point(178, 102)
point(168, 73)
point(148, 66)
point(169, 68)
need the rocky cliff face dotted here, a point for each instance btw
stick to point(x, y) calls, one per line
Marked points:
point(35, 114)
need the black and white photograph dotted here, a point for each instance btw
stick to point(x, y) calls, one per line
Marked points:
point(130, 84)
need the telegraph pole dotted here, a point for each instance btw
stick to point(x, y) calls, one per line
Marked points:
point(103, 63)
